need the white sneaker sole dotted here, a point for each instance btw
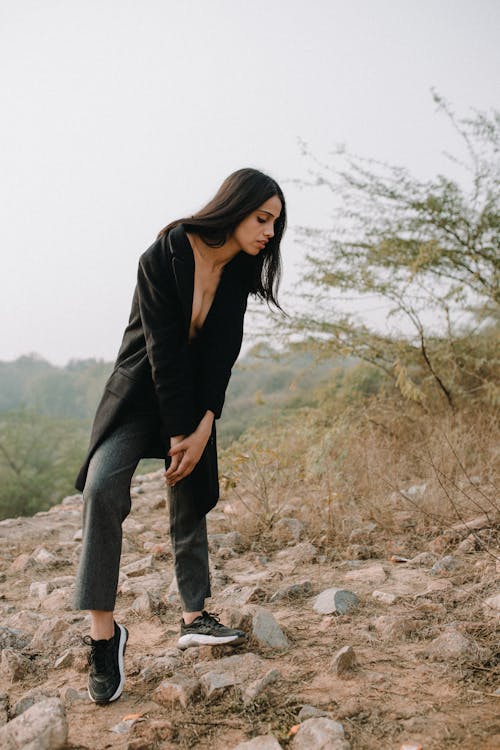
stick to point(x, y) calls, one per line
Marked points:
point(195, 639)
point(121, 652)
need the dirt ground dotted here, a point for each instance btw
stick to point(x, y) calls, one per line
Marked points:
point(396, 693)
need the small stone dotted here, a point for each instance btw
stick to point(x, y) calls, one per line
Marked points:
point(49, 633)
point(160, 666)
point(131, 526)
point(302, 553)
point(41, 727)
point(13, 638)
point(178, 689)
point(263, 742)
point(241, 595)
point(21, 563)
point(288, 530)
point(443, 566)
point(385, 597)
point(41, 589)
point(468, 545)
point(139, 567)
point(266, 630)
point(257, 687)
point(491, 606)
point(424, 559)
point(343, 661)
point(373, 574)
point(43, 557)
point(334, 600)
point(310, 712)
point(59, 599)
point(232, 539)
point(65, 660)
point(451, 644)
point(320, 734)
point(215, 684)
point(411, 746)
point(146, 604)
point(31, 697)
point(391, 627)
point(70, 695)
point(292, 591)
point(172, 595)
point(13, 665)
point(78, 535)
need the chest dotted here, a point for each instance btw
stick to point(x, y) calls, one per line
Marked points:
point(205, 287)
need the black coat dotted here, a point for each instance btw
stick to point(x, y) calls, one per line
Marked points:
point(158, 366)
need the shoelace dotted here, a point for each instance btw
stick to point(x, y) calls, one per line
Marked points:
point(212, 618)
point(99, 654)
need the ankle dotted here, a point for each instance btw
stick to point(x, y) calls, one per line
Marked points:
point(189, 617)
point(102, 625)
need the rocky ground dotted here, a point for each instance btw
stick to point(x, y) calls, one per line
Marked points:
point(382, 652)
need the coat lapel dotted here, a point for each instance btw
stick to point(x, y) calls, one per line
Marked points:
point(183, 267)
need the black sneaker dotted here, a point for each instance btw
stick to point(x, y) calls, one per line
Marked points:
point(106, 675)
point(208, 630)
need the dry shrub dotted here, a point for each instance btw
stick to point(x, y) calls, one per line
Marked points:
point(381, 459)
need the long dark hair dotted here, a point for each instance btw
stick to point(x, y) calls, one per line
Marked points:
point(240, 194)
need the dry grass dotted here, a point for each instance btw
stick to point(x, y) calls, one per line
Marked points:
point(384, 461)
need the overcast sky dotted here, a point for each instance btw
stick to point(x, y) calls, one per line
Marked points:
point(119, 116)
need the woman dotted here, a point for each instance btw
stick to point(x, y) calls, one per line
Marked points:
point(166, 390)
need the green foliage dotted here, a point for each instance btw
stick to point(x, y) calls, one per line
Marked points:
point(428, 251)
point(39, 459)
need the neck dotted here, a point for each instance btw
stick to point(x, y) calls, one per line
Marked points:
point(215, 257)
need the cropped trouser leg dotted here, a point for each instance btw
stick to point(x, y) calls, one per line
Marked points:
point(106, 504)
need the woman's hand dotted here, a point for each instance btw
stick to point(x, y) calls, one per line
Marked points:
point(186, 451)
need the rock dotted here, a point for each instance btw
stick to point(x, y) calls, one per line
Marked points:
point(411, 746)
point(65, 660)
point(451, 644)
point(232, 539)
point(41, 589)
point(22, 563)
point(395, 627)
point(416, 490)
point(131, 526)
point(218, 675)
point(147, 604)
point(333, 600)
point(160, 666)
point(266, 630)
point(178, 689)
point(443, 542)
point(73, 500)
point(13, 638)
point(469, 545)
point(385, 597)
point(13, 665)
point(172, 595)
point(26, 620)
point(310, 712)
point(478, 523)
point(139, 567)
point(240, 595)
point(31, 697)
point(288, 530)
point(58, 600)
point(70, 695)
point(78, 535)
point(343, 661)
point(299, 554)
point(373, 574)
point(424, 559)
point(491, 606)
point(41, 727)
point(257, 687)
point(443, 566)
point(50, 633)
point(292, 591)
point(263, 742)
point(320, 734)
point(44, 558)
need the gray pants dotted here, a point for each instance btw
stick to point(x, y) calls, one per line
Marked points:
point(106, 504)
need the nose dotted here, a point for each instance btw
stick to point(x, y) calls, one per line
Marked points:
point(269, 232)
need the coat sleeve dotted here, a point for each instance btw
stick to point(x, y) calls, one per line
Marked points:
point(166, 343)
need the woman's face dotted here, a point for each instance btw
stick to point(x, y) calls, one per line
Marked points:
point(252, 234)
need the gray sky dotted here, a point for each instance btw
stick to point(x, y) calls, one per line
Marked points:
point(121, 115)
